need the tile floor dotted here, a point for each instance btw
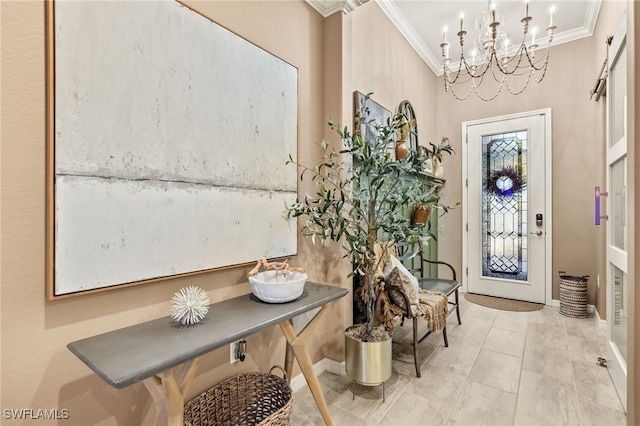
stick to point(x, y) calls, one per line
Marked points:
point(501, 368)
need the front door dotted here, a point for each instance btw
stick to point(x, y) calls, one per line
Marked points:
point(507, 204)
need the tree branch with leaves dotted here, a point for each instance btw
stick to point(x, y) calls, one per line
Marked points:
point(360, 199)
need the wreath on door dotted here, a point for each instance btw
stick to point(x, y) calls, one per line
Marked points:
point(506, 182)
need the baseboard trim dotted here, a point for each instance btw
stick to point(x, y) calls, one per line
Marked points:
point(601, 323)
point(590, 309)
point(556, 304)
point(298, 382)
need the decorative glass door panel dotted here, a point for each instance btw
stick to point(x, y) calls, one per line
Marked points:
point(504, 213)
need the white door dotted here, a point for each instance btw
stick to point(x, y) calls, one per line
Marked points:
point(617, 283)
point(507, 206)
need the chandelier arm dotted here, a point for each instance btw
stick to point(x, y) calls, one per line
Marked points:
point(531, 73)
point(474, 75)
point(498, 80)
point(469, 69)
point(457, 75)
point(530, 54)
point(544, 60)
point(504, 81)
point(505, 70)
point(523, 88)
point(522, 51)
point(475, 89)
point(459, 97)
point(544, 70)
point(461, 82)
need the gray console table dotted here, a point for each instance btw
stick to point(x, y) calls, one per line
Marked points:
point(164, 355)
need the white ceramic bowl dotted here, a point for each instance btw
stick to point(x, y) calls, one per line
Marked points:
point(272, 287)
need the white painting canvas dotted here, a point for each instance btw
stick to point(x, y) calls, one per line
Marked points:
point(171, 137)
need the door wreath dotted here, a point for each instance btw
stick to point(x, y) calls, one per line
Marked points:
point(506, 182)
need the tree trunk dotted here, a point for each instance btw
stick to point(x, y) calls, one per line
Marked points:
point(369, 271)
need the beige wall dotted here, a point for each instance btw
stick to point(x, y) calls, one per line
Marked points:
point(384, 63)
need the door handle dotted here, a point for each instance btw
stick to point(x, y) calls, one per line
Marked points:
point(538, 233)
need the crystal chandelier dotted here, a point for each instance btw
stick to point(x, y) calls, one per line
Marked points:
point(492, 57)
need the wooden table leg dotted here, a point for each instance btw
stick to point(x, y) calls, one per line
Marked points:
point(168, 389)
point(288, 358)
point(297, 342)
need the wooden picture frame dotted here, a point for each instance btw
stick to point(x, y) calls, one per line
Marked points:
point(377, 115)
point(167, 141)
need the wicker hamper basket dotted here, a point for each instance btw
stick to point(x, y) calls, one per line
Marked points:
point(245, 399)
point(573, 295)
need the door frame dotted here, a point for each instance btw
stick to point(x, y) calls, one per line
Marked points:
point(546, 113)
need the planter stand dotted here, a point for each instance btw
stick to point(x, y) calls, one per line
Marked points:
point(368, 363)
point(353, 390)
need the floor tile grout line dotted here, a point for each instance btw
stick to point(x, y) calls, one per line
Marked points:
point(451, 409)
point(524, 351)
point(573, 375)
point(399, 393)
point(466, 379)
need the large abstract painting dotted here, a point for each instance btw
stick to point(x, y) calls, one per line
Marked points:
point(168, 138)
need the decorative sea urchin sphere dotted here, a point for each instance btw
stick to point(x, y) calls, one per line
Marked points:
point(189, 305)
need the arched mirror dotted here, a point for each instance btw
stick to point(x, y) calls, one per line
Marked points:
point(406, 109)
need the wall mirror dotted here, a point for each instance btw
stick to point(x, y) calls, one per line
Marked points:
point(406, 109)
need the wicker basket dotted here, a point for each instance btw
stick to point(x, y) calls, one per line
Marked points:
point(573, 295)
point(245, 399)
point(421, 214)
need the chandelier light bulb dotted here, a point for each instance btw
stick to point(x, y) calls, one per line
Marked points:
point(526, 8)
point(533, 35)
point(461, 20)
point(551, 12)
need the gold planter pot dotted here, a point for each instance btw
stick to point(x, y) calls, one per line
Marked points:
point(367, 363)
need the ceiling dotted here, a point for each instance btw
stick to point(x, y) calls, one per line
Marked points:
point(422, 21)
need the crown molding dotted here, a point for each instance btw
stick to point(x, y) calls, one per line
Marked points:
point(397, 18)
point(591, 17)
point(329, 7)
